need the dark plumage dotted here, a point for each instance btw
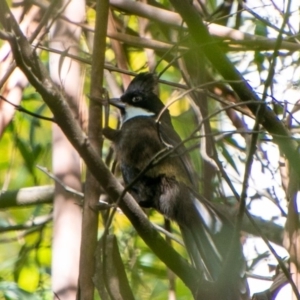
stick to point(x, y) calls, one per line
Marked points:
point(169, 186)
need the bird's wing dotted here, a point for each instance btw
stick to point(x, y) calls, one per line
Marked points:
point(209, 234)
point(171, 139)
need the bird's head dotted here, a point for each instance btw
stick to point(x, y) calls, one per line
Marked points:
point(140, 100)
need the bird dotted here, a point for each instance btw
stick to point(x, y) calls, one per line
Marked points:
point(155, 164)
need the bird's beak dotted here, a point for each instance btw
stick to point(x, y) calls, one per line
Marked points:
point(117, 103)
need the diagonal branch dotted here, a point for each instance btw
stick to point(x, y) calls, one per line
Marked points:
point(24, 110)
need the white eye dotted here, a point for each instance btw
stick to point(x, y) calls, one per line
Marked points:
point(137, 98)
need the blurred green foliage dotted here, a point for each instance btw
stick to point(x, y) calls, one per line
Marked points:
point(25, 256)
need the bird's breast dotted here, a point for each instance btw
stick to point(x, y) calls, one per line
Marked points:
point(138, 142)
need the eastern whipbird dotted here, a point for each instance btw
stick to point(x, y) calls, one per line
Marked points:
point(169, 186)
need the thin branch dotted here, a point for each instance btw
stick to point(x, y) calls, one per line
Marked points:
point(261, 19)
point(22, 234)
point(56, 179)
point(168, 234)
point(24, 110)
point(36, 222)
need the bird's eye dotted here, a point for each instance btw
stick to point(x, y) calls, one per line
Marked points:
point(137, 98)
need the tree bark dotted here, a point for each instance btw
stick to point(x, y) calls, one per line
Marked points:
point(92, 188)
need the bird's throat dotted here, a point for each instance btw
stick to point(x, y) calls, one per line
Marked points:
point(133, 112)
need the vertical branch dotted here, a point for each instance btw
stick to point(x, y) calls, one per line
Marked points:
point(92, 192)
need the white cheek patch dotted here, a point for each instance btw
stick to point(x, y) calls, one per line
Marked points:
point(132, 112)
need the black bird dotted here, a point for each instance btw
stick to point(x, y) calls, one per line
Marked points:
point(169, 186)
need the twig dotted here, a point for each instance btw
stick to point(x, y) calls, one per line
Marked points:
point(42, 220)
point(168, 234)
point(21, 235)
point(22, 109)
point(56, 179)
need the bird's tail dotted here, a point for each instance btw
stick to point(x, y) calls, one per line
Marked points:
point(212, 245)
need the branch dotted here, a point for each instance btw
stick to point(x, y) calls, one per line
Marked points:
point(39, 221)
point(24, 110)
point(91, 199)
point(27, 196)
point(61, 183)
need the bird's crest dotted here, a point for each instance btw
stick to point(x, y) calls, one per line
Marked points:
point(144, 82)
